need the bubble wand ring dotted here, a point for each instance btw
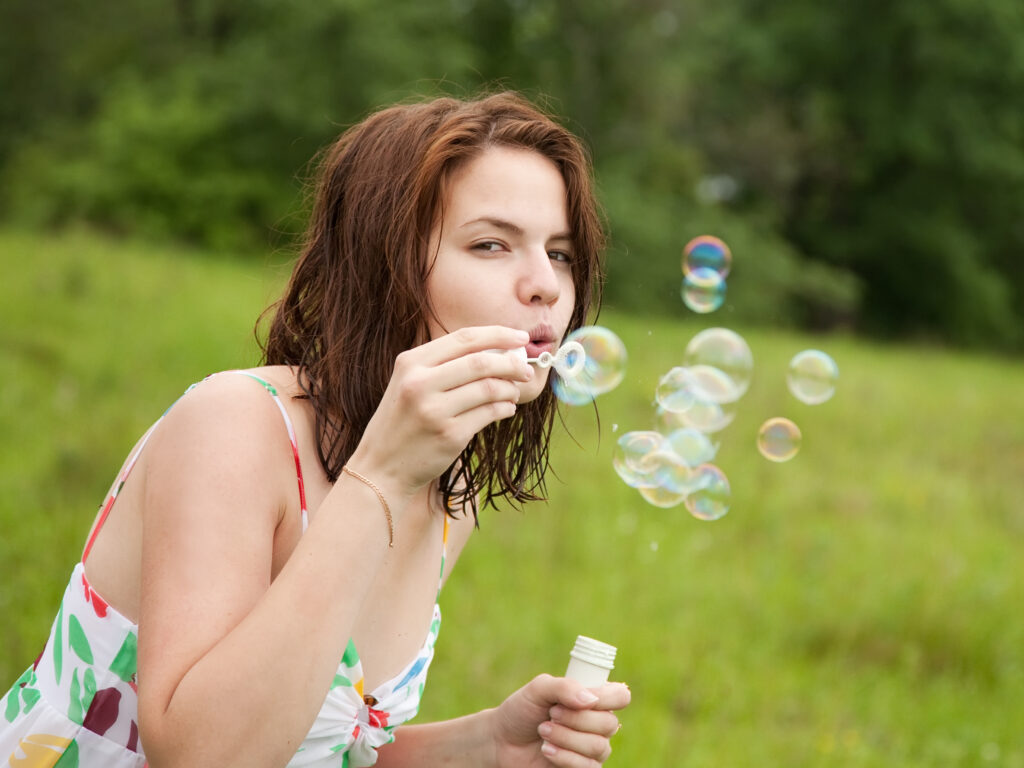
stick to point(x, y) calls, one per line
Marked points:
point(568, 361)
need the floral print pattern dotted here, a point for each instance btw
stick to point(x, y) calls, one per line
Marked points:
point(77, 705)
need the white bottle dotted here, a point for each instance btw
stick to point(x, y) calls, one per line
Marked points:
point(590, 661)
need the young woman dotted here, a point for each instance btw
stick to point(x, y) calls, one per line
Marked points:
point(280, 519)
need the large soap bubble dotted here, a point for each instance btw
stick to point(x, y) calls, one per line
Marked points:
point(603, 369)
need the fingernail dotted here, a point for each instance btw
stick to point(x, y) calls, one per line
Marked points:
point(557, 712)
point(544, 729)
point(585, 697)
point(548, 749)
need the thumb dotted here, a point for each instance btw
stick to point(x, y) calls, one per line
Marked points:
point(548, 690)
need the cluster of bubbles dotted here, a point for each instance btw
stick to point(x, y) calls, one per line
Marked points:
point(673, 463)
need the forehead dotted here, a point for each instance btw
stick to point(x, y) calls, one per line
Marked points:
point(520, 185)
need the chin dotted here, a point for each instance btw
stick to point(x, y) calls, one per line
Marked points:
point(531, 390)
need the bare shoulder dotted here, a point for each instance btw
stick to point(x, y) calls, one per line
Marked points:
point(225, 427)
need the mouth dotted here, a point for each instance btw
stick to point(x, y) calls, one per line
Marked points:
point(542, 339)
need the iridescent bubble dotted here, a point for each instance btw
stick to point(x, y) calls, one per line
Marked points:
point(724, 359)
point(713, 496)
point(692, 447)
point(708, 417)
point(707, 252)
point(669, 471)
point(812, 376)
point(629, 454)
point(778, 439)
point(704, 417)
point(662, 497)
point(603, 370)
point(676, 390)
point(703, 290)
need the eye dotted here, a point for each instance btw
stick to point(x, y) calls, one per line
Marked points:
point(561, 256)
point(489, 246)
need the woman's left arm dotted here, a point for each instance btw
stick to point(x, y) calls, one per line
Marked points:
point(550, 721)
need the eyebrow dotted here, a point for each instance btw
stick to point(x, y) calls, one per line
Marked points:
point(508, 226)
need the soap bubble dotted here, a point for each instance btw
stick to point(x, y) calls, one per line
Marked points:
point(629, 454)
point(691, 446)
point(711, 500)
point(707, 252)
point(662, 497)
point(676, 390)
point(722, 363)
point(668, 471)
point(812, 376)
point(603, 370)
point(704, 417)
point(703, 290)
point(778, 439)
point(710, 417)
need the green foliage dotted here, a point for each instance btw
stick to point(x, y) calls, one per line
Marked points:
point(856, 607)
point(876, 151)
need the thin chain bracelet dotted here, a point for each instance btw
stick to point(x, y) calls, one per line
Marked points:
point(383, 502)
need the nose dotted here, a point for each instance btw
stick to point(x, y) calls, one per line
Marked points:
point(539, 283)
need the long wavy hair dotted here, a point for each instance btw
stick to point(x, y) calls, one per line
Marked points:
point(356, 296)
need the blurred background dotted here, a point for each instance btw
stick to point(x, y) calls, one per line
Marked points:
point(860, 605)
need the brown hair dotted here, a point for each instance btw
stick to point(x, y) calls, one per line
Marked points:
point(356, 296)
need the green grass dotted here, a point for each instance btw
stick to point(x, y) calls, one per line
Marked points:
point(859, 605)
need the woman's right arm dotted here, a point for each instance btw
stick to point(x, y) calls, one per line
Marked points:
point(233, 667)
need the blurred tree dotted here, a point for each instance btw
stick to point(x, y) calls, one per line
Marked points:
point(866, 161)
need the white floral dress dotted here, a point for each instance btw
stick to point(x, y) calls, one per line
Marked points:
point(77, 704)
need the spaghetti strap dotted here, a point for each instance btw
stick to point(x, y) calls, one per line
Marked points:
point(130, 464)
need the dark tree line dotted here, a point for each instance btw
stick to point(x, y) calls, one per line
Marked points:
point(865, 160)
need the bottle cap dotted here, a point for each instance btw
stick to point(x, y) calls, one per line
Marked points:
point(594, 652)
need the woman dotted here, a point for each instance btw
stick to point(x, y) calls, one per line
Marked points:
point(243, 559)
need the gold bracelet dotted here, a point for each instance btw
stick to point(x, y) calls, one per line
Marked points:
point(373, 487)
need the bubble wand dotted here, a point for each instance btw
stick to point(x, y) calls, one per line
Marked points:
point(568, 360)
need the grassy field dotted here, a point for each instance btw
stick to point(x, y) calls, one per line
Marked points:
point(859, 605)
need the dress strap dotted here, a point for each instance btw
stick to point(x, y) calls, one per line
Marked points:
point(122, 477)
point(291, 438)
point(444, 556)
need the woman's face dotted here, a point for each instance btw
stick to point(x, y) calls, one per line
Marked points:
point(502, 255)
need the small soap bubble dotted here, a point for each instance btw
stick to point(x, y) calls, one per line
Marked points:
point(812, 376)
point(724, 359)
point(711, 500)
point(778, 439)
point(707, 252)
point(603, 370)
point(676, 390)
point(703, 290)
point(629, 454)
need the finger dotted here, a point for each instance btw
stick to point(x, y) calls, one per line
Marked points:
point(549, 690)
point(564, 746)
point(477, 393)
point(472, 339)
point(479, 365)
point(597, 721)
